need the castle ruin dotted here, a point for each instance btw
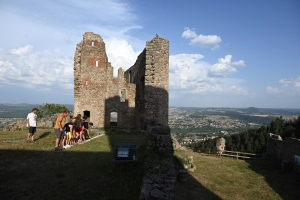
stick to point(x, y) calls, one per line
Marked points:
point(140, 95)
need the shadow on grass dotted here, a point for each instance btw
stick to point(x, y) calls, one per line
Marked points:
point(43, 135)
point(285, 184)
point(83, 172)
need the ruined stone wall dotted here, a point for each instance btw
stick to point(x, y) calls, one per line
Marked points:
point(151, 75)
point(283, 149)
point(90, 72)
point(95, 88)
point(138, 95)
point(160, 178)
point(124, 105)
point(157, 81)
point(136, 75)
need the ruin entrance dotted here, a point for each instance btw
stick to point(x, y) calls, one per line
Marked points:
point(113, 119)
point(86, 113)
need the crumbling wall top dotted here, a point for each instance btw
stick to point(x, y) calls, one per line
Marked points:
point(92, 36)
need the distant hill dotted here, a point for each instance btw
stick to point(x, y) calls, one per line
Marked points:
point(253, 110)
point(21, 110)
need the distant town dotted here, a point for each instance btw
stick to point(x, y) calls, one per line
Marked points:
point(190, 125)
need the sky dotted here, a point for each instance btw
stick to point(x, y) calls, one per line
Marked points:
point(235, 53)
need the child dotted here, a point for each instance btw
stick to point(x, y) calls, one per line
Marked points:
point(69, 128)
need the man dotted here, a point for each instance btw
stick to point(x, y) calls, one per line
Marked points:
point(31, 124)
point(59, 127)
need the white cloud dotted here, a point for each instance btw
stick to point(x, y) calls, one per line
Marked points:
point(32, 69)
point(211, 41)
point(189, 33)
point(186, 70)
point(287, 86)
point(272, 90)
point(189, 74)
point(297, 83)
point(120, 54)
point(224, 67)
point(237, 90)
point(240, 63)
point(40, 57)
point(22, 50)
point(291, 83)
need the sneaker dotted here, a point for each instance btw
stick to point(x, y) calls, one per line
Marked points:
point(32, 141)
point(64, 147)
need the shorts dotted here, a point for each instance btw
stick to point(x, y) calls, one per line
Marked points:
point(69, 134)
point(58, 133)
point(32, 130)
point(79, 129)
point(64, 133)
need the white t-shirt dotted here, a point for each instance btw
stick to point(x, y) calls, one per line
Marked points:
point(32, 119)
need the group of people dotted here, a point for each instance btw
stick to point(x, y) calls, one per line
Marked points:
point(71, 133)
point(67, 134)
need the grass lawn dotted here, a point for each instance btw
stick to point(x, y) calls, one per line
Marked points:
point(36, 171)
point(228, 178)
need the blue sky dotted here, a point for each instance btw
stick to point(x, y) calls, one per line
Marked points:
point(233, 53)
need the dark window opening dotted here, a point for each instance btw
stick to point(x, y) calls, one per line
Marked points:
point(86, 113)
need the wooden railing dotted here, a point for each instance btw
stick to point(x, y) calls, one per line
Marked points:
point(240, 155)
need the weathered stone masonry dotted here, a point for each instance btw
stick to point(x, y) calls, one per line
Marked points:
point(138, 96)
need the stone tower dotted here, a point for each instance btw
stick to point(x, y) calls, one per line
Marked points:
point(138, 96)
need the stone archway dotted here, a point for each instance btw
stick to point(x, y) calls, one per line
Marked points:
point(113, 119)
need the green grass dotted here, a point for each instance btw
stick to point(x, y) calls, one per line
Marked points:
point(228, 178)
point(36, 171)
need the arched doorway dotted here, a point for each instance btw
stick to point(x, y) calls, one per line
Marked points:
point(113, 119)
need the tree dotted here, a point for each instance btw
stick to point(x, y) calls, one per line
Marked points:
point(276, 126)
point(47, 110)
